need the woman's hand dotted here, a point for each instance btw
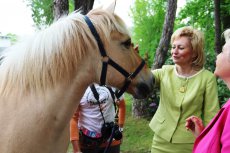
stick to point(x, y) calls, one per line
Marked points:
point(195, 125)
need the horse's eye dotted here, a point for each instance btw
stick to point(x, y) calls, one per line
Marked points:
point(127, 43)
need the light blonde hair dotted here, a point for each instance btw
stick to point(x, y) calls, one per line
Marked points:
point(227, 35)
point(196, 38)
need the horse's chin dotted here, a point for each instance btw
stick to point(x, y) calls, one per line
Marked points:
point(142, 91)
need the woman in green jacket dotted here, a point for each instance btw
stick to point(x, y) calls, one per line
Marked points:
point(186, 89)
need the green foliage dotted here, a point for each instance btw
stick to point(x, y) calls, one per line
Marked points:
point(13, 37)
point(223, 92)
point(225, 5)
point(71, 5)
point(200, 15)
point(42, 12)
point(148, 16)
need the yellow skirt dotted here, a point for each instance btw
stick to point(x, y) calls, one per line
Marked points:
point(160, 145)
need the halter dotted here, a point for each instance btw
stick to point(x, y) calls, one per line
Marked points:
point(107, 60)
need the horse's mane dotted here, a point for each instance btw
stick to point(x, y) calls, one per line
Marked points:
point(53, 55)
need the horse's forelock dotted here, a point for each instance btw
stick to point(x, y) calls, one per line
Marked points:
point(108, 22)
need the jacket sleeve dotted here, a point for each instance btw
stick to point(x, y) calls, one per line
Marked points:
point(122, 111)
point(211, 103)
point(156, 73)
point(74, 132)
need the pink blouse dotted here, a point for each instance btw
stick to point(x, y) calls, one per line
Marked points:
point(215, 138)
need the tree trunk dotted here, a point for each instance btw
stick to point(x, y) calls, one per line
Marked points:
point(84, 5)
point(139, 108)
point(217, 26)
point(61, 7)
point(162, 50)
point(147, 107)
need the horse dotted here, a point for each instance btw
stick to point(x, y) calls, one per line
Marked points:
point(43, 79)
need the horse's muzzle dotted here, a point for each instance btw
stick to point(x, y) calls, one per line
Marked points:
point(143, 90)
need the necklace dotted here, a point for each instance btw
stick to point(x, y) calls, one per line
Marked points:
point(182, 89)
point(184, 84)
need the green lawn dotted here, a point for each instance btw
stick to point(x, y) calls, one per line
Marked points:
point(137, 134)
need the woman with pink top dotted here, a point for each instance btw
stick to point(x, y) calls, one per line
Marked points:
point(215, 138)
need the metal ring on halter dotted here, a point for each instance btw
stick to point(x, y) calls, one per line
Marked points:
point(130, 76)
point(105, 59)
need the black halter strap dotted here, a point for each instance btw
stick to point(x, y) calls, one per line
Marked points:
point(107, 60)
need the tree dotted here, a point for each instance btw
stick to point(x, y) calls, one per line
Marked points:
point(148, 17)
point(217, 26)
point(43, 12)
point(148, 25)
point(85, 6)
point(61, 7)
point(162, 50)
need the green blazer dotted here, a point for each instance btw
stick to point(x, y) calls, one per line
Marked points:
point(181, 97)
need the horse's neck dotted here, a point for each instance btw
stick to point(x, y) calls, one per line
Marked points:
point(63, 101)
point(44, 117)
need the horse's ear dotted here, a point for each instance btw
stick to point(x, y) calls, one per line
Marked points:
point(111, 6)
point(136, 48)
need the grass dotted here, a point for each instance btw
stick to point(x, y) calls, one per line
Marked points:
point(137, 136)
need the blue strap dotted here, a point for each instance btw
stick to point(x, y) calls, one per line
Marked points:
point(96, 35)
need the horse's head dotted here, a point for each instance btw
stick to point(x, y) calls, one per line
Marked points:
point(118, 56)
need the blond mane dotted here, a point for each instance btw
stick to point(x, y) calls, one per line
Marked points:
point(53, 55)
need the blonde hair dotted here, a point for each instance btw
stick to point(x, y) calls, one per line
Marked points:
point(227, 35)
point(196, 38)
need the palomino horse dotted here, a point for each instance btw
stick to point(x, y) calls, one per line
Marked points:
point(43, 79)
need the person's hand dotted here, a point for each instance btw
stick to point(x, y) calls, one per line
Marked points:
point(195, 125)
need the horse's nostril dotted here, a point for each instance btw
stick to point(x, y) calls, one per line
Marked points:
point(143, 90)
point(143, 87)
